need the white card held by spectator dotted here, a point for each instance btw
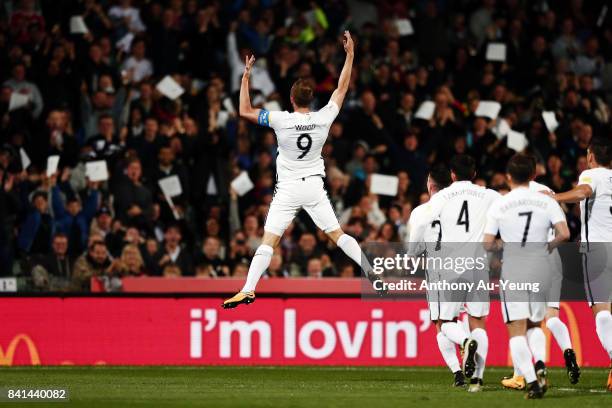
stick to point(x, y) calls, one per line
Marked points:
point(242, 184)
point(169, 87)
point(550, 120)
point(404, 27)
point(517, 140)
point(496, 52)
point(25, 159)
point(18, 100)
point(52, 162)
point(125, 42)
point(501, 129)
point(426, 110)
point(488, 109)
point(96, 170)
point(384, 185)
point(77, 25)
point(171, 186)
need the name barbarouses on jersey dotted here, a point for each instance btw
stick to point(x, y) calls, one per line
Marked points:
point(406, 285)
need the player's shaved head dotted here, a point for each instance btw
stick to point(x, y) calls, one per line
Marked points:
point(463, 167)
point(601, 149)
point(521, 168)
point(302, 93)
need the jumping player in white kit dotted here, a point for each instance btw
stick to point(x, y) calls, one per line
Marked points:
point(461, 209)
point(523, 218)
point(301, 135)
point(594, 193)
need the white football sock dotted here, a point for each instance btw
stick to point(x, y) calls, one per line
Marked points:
point(537, 343)
point(603, 324)
point(351, 248)
point(522, 357)
point(449, 353)
point(560, 332)
point(517, 371)
point(259, 264)
point(480, 335)
point(454, 332)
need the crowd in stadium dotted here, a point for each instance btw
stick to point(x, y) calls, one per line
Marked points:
point(92, 96)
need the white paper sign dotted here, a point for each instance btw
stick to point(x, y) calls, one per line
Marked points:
point(18, 100)
point(25, 159)
point(517, 140)
point(169, 87)
point(52, 162)
point(496, 52)
point(96, 170)
point(8, 284)
point(426, 110)
point(404, 27)
point(125, 42)
point(242, 184)
point(384, 185)
point(488, 109)
point(550, 120)
point(77, 25)
point(171, 186)
point(501, 129)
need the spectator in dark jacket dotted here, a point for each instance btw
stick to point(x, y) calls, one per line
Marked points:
point(171, 252)
point(38, 227)
point(133, 201)
point(73, 219)
point(54, 270)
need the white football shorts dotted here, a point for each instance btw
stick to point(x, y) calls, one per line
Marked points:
point(290, 196)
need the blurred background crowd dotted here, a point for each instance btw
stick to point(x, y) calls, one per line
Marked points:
point(92, 96)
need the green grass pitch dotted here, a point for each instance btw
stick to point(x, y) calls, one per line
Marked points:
point(292, 387)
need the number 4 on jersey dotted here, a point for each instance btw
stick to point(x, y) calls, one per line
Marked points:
point(464, 216)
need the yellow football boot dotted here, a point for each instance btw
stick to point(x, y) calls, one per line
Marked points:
point(516, 382)
point(239, 298)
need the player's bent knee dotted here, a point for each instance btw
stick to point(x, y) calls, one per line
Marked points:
point(270, 239)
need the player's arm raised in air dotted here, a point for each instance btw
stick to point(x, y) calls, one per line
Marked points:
point(245, 109)
point(345, 75)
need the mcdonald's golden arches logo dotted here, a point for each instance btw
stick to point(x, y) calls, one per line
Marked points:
point(6, 358)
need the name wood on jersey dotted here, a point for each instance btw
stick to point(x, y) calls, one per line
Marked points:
point(302, 128)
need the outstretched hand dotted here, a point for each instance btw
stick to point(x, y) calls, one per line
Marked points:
point(248, 64)
point(347, 41)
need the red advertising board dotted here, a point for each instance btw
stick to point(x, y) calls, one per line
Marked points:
point(274, 331)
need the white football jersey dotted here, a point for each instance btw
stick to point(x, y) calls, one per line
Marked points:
point(524, 216)
point(538, 188)
point(432, 234)
point(300, 138)
point(596, 211)
point(462, 208)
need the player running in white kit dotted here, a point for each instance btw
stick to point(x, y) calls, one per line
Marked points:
point(438, 179)
point(461, 209)
point(594, 192)
point(523, 219)
point(301, 135)
point(535, 335)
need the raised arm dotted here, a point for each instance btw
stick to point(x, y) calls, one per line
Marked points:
point(345, 75)
point(246, 110)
